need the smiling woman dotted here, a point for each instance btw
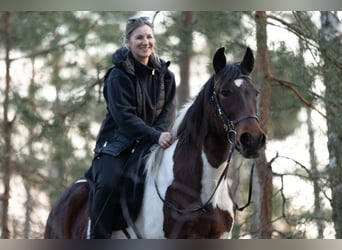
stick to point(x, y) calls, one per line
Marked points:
point(140, 40)
point(140, 95)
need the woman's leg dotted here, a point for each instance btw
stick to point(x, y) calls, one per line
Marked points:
point(105, 207)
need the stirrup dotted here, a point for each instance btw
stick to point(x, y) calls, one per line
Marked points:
point(88, 237)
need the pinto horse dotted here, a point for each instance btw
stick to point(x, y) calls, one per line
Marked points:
point(183, 197)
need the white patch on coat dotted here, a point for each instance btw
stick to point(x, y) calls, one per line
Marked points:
point(222, 198)
point(238, 82)
point(226, 235)
point(151, 217)
point(208, 182)
point(180, 117)
point(210, 177)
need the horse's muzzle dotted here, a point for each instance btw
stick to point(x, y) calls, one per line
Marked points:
point(250, 145)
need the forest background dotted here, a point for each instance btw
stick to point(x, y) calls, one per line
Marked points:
point(52, 65)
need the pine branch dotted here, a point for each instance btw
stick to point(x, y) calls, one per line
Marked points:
point(42, 52)
point(292, 86)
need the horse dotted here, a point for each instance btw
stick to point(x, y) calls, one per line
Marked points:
point(183, 198)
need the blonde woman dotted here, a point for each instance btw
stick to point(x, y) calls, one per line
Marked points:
point(139, 91)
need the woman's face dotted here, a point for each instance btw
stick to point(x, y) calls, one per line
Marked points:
point(141, 43)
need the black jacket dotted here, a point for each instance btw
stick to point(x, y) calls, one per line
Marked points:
point(140, 103)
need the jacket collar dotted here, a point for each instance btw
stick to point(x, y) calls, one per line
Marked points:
point(123, 58)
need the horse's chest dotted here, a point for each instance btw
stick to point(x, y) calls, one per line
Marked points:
point(210, 223)
point(216, 218)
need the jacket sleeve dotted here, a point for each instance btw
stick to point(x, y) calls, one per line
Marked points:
point(119, 92)
point(168, 113)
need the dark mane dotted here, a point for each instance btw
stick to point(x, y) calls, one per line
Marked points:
point(192, 124)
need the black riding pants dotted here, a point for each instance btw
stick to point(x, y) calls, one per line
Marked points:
point(105, 177)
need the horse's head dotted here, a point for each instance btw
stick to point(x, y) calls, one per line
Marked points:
point(235, 97)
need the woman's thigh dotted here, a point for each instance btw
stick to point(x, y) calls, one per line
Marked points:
point(108, 170)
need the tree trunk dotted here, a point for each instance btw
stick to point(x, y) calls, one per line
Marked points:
point(28, 211)
point(7, 132)
point(185, 57)
point(264, 170)
point(331, 50)
point(315, 175)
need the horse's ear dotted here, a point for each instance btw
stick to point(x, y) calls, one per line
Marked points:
point(219, 60)
point(248, 61)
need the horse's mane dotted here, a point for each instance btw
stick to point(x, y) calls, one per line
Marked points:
point(179, 129)
point(180, 116)
point(192, 121)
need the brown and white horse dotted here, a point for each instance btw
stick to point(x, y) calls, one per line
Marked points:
point(183, 197)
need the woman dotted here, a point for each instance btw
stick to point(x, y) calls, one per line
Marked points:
point(140, 95)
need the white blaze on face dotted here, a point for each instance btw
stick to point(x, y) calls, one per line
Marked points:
point(238, 82)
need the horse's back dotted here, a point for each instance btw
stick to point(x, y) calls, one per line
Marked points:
point(68, 216)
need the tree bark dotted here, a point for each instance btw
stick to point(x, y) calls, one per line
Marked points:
point(185, 57)
point(264, 170)
point(7, 132)
point(331, 51)
point(315, 175)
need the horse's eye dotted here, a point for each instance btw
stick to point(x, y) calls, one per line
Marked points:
point(225, 92)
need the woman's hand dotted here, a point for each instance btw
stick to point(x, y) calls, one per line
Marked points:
point(165, 139)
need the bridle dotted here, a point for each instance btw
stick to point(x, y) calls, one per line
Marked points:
point(229, 125)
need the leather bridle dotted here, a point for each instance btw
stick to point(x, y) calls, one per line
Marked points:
point(229, 125)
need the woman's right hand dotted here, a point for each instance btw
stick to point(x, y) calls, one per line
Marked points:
point(165, 139)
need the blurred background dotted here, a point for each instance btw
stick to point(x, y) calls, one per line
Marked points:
point(51, 70)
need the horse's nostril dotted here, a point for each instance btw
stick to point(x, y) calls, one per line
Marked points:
point(246, 139)
point(262, 141)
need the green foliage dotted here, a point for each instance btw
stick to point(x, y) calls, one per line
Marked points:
point(285, 105)
point(223, 28)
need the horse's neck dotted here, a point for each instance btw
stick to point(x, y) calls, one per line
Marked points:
point(215, 153)
point(216, 148)
point(204, 142)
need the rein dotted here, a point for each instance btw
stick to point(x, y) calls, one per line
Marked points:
point(201, 208)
